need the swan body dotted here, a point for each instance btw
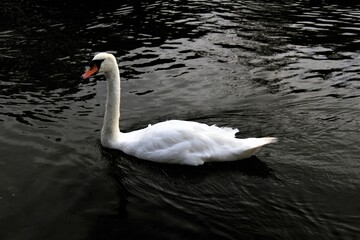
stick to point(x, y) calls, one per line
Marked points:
point(174, 141)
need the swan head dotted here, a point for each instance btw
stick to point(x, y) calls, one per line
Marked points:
point(102, 62)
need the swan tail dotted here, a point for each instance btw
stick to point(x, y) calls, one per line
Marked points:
point(259, 142)
point(267, 140)
point(254, 144)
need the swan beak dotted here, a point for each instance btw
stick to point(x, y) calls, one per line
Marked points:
point(90, 72)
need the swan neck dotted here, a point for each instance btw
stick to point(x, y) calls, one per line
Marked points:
point(110, 129)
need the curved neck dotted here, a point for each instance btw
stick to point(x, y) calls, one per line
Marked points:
point(110, 128)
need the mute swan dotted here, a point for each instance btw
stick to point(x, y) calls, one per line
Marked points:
point(174, 141)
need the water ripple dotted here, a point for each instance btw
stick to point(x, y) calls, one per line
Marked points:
point(268, 68)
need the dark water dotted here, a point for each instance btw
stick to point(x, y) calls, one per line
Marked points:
point(288, 69)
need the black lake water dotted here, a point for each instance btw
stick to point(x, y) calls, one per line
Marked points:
point(289, 69)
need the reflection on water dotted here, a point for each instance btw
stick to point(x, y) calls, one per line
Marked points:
point(285, 69)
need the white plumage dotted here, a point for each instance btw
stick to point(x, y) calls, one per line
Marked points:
point(174, 141)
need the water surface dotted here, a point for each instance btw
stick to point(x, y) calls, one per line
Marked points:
point(288, 69)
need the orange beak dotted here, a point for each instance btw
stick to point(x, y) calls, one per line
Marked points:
point(90, 72)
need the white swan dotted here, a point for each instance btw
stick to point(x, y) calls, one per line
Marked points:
point(174, 141)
